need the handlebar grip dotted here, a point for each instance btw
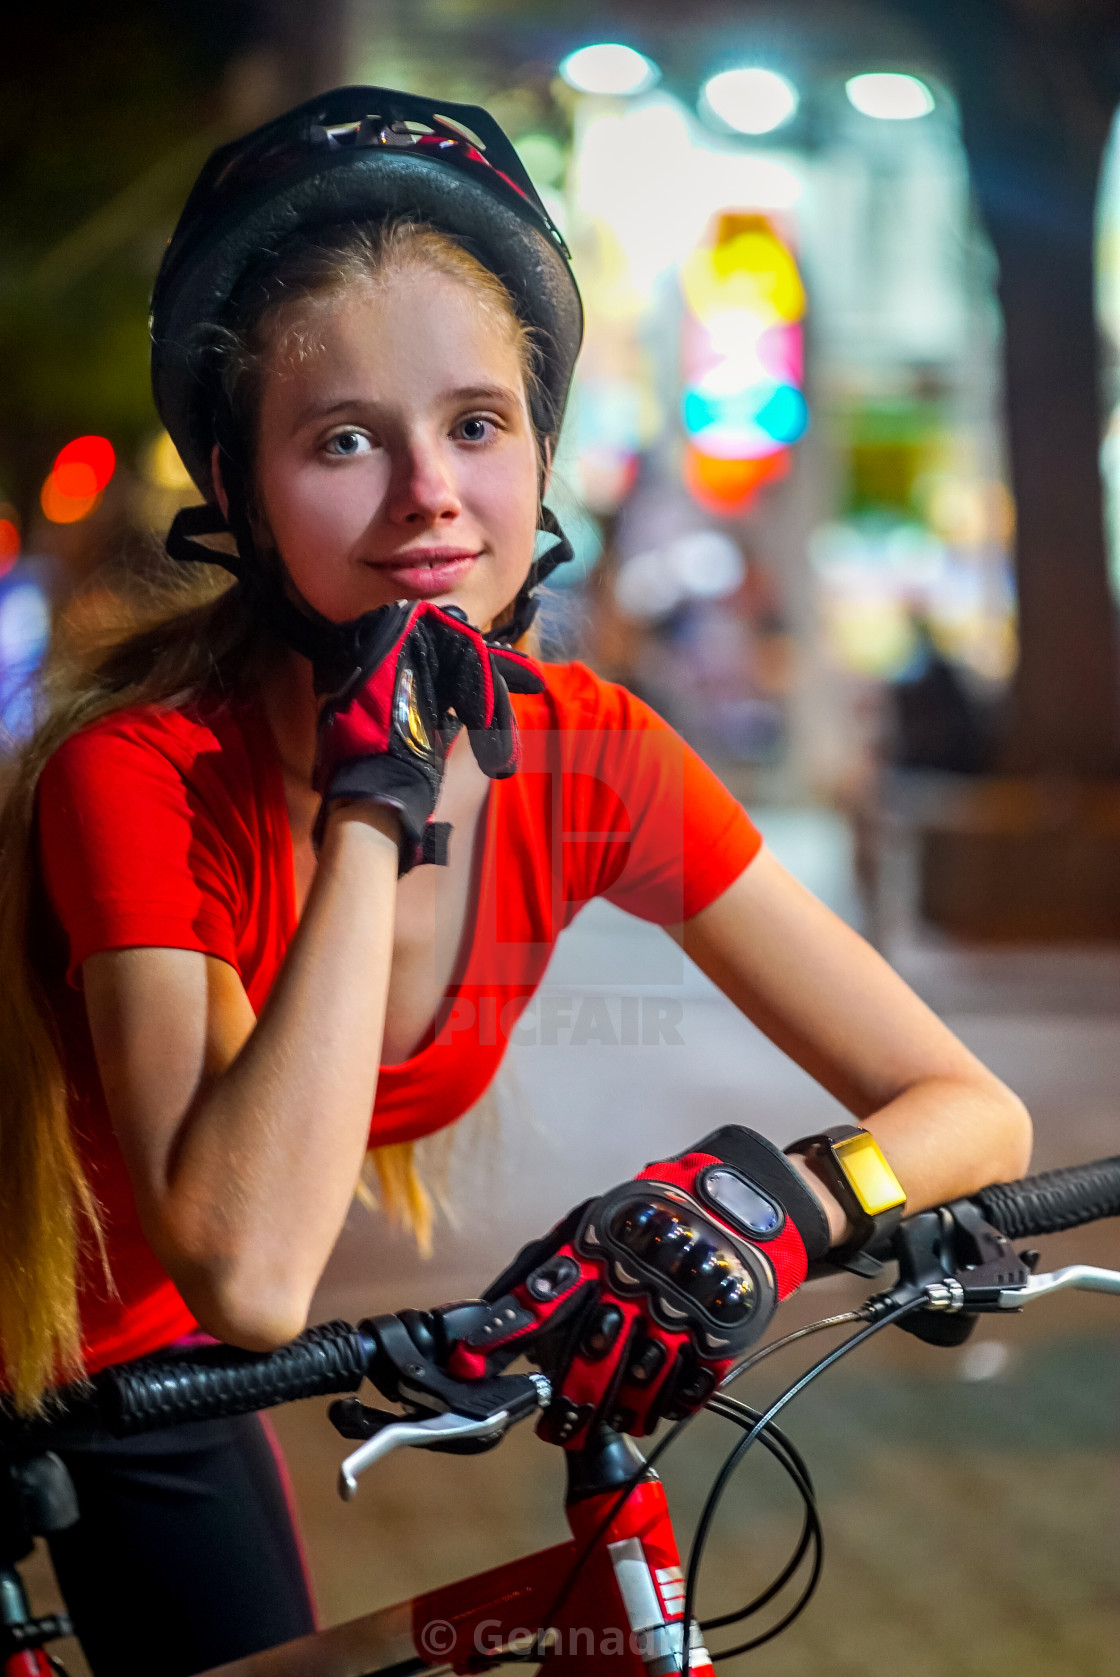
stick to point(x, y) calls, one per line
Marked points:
point(1054, 1200)
point(221, 1381)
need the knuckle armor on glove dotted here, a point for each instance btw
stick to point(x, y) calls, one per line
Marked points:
point(422, 672)
point(640, 1301)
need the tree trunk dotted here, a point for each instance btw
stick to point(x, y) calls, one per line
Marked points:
point(1035, 121)
point(1065, 697)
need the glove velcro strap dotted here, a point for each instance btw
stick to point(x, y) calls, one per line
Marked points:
point(436, 845)
point(760, 1161)
point(398, 785)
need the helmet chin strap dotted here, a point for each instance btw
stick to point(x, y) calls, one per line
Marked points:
point(526, 605)
point(333, 648)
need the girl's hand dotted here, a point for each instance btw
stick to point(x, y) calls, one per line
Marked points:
point(639, 1302)
point(420, 672)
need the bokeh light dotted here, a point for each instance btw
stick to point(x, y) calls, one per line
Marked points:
point(608, 67)
point(721, 486)
point(93, 458)
point(25, 622)
point(742, 401)
point(700, 565)
point(889, 96)
point(162, 467)
point(79, 475)
point(650, 216)
point(751, 101)
point(61, 508)
point(75, 481)
point(9, 539)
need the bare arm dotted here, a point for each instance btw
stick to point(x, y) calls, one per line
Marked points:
point(244, 1139)
point(946, 1124)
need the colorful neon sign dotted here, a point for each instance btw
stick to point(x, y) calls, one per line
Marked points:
point(743, 405)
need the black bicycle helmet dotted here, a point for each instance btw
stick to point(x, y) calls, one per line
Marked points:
point(355, 154)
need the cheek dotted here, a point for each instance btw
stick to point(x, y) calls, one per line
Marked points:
point(510, 495)
point(306, 505)
point(513, 523)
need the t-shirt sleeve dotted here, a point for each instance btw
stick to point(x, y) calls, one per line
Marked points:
point(662, 837)
point(129, 854)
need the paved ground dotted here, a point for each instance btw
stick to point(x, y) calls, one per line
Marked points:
point(969, 1497)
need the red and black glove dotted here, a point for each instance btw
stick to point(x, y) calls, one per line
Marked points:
point(639, 1302)
point(384, 736)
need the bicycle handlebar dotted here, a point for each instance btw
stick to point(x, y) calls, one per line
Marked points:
point(1054, 1200)
point(222, 1381)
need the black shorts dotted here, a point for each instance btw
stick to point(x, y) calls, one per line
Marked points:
point(186, 1553)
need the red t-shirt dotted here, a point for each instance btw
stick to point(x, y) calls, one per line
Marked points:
point(168, 828)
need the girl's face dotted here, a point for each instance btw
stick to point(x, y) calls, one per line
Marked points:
point(396, 459)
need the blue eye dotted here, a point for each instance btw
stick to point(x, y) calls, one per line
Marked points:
point(347, 443)
point(475, 430)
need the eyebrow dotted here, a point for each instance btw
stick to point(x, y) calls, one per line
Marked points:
point(316, 412)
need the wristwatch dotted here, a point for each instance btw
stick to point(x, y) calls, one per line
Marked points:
point(852, 1163)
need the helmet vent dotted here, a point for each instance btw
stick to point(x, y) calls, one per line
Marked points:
point(371, 130)
point(404, 133)
point(461, 129)
point(341, 133)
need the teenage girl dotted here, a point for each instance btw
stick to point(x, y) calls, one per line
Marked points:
point(223, 855)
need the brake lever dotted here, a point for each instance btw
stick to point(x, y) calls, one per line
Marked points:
point(442, 1413)
point(960, 1264)
point(408, 1367)
point(963, 1265)
point(435, 1430)
point(1081, 1278)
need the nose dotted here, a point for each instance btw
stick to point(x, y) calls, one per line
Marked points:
point(422, 485)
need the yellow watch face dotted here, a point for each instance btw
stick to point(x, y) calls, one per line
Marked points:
point(872, 1180)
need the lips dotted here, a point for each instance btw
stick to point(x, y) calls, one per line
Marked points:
point(425, 572)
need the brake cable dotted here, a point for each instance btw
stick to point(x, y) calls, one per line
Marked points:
point(765, 1351)
point(660, 1449)
point(786, 1454)
point(715, 1495)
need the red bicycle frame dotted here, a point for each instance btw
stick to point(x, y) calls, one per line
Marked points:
point(15, 1611)
point(620, 1617)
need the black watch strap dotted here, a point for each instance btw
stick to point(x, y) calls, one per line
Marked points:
point(852, 1163)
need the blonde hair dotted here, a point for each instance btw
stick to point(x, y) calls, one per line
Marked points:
point(154, 635)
